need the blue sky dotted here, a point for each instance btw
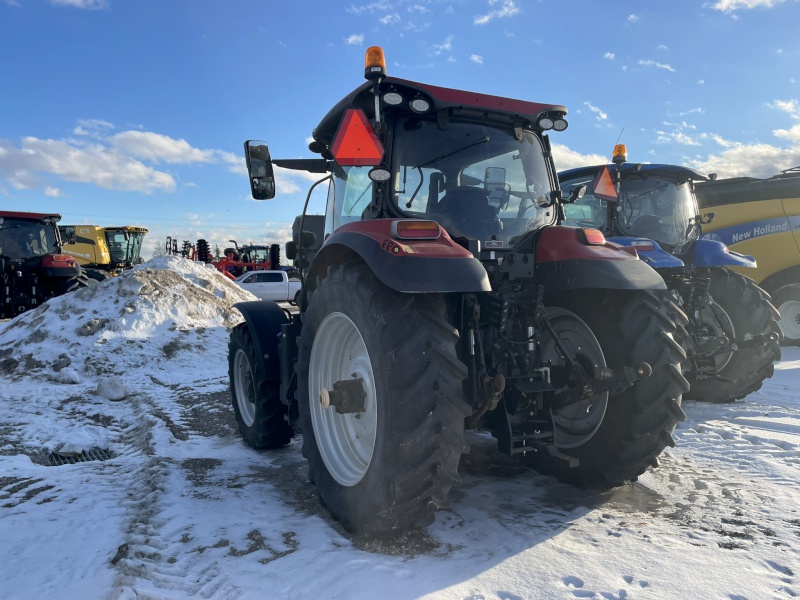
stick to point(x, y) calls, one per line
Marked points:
point(130, 112)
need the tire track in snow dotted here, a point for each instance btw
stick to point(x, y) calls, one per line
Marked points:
point(153, 561)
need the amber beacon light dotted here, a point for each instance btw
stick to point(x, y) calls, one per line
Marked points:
point(374, 63)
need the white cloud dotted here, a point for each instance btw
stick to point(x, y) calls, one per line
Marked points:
point(371, 7)
point(701, 82)
point(389, 19)
point(507, 9)
point(729, 6)
point(126, 161)
point(632, 18)
point(748, 160)
point(792, 134)
point(675, 137)
point(658, 65)
point(565, 158)
point(417, 8)
point(662, 47)
point(476, 58)
point(609, 55)
point(355, 40)
point(691, 111)
point(790, 106)
point(600, 115)
point(155, 147)
point(85, 4)
point(445, 46)
point(98, 164)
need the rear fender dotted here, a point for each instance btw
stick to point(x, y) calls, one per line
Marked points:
point(404, 265)
point(565, 261)
point(711, 253)
point(650, 252)
point(264, 320)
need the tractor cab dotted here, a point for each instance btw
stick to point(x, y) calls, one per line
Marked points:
point(477, 165)
point(125, 245)
point(26, 236)
point(652, 201)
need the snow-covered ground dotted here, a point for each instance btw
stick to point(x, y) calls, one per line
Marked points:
point(134, 371)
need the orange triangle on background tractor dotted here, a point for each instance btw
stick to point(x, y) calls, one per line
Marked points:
point(603, 186)
point(356, 143)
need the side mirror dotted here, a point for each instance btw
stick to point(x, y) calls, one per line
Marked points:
point(309, 239)
point(707, 218)
point(576, 193)
point(259, 168)
point(69, 233)
point(291, 250)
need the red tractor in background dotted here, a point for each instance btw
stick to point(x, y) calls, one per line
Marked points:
point(32, 266)
point(446, 297)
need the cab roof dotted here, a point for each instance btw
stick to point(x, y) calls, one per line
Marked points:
point(460, 101)
point(645, 170)
point(6, 214)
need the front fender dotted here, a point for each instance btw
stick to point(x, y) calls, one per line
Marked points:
point(650, 252)
point(712, 253)
point(404, 265)
point(264, 320)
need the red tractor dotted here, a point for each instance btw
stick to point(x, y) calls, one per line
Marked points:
point(445, 297)
point(32, 267)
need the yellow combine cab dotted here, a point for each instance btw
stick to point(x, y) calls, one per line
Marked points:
point(104, 251)
point(761, 218)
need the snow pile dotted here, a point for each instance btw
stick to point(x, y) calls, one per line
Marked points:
point(168, 309)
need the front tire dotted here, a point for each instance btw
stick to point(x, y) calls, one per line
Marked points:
point(748, 312)
point(630, 327)
point(385, 469)
point(260, 414)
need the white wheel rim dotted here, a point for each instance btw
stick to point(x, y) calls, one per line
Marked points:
point(790, 319)
point(346, 442)
point(245, 388)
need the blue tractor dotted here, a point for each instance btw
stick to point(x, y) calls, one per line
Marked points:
point(733, 336)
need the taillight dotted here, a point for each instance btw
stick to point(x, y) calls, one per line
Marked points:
point(643, 245)
point(593, 237)
point(408, 229)
point(58, 261)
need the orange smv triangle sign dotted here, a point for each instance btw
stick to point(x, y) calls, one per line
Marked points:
point(356, 143)
point(603, 186)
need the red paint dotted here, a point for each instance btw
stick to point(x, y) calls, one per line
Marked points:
point(564, 243)
point(28, 215)
point(380, 230)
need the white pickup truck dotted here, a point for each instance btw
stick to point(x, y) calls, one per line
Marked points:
point(271, 285)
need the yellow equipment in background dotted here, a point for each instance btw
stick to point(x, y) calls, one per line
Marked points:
point(761, 218)
point(104, 251)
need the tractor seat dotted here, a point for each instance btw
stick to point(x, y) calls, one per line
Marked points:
point(648, 226)
point(469, 211)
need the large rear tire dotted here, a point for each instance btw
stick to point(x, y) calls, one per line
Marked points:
point(260, 414)
point(624, 329)
point(787, 300)
point(746, 311)
point(385, 469)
